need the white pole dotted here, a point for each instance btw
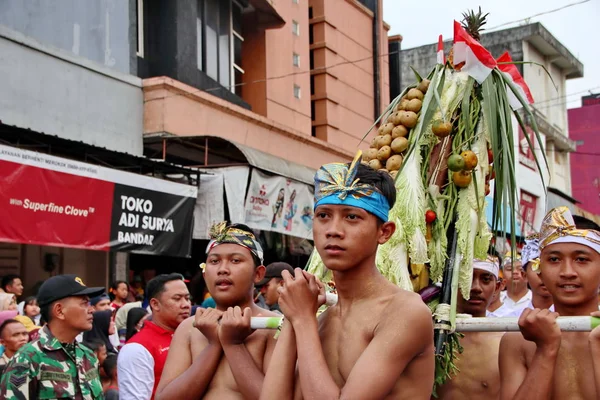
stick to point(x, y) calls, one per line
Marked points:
point(568, 324)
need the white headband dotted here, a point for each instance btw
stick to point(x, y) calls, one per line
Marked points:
point(487, 266)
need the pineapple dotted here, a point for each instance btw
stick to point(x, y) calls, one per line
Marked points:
point(472, 22)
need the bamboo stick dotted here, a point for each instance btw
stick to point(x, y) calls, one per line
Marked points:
point(566, 324)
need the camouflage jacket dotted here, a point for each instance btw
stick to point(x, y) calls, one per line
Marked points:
point(43, 369)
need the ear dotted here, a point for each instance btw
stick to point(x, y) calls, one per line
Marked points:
point(499, 284)
point(58, 310)
point(386, 230)
point(259, 273)
point(154, 304)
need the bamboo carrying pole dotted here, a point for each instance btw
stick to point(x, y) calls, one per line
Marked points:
point(469, 324)
point(566, 324)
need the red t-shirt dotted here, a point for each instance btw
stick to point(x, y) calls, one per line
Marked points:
point(156, 341)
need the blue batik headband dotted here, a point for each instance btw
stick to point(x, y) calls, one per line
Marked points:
point(336, 184)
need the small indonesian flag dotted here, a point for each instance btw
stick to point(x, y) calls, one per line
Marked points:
point(441, 59)
point(512, 73)
point(479, 63)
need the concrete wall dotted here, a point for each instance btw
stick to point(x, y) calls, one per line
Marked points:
point(98, 30)
point(344, 87)
point(50, 91)
point(175, 108)
point(280, 44)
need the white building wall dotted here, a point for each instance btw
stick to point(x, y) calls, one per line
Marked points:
point(549, 96)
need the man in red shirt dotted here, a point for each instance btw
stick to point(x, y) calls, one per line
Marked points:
point(142, 359)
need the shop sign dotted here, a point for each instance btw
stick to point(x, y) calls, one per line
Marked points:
point(279, 204)
point(53, 201)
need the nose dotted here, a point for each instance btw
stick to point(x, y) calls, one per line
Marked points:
point(334, 228)
point(567, 270)
point(476, 287)
point(223, 268)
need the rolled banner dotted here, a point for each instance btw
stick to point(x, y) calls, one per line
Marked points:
point(566, 324)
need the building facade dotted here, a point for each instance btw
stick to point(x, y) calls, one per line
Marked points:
point(584, 129)
point(223, 85)
point(540, 51)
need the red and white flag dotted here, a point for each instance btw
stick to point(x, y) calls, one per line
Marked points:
point(511, 71)
point(441, 59)
point(479, 63)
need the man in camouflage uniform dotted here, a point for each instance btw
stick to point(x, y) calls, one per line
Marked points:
point(56, 366)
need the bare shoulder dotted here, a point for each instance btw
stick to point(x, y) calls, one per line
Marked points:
point(411, 305)
point(406, 316)
point(513, 344)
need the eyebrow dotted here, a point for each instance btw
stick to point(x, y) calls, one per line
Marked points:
point(227, 255)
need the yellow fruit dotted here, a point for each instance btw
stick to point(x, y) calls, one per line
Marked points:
point(393, 163)
point(369, 155)
point(399, 145)
point(387, 129)
point(470, 159)
point(375, 164)
point(462, 179)
point(393, 174)
point(384, 153)
point(380, 130)
point(402, 105)
point(374, 142)
point(385, 140)
point(399, 131)
point(414, 105)
point(424, 85)
point(408, 119)
point(441, 129)
point(414, 94)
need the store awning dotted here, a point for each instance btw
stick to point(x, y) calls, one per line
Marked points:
point(214, 151)
point(51, 200)
point(503, 226)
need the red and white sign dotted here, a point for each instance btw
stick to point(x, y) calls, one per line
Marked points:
point(54, 201)
point(511, 71)
point(528, 205)
point(479, 63)
point(279, 204)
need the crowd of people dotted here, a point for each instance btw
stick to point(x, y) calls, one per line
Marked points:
point(74, 341)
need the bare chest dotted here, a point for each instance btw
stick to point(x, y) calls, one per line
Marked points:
point(574, 372)
point(344, 339)
point(223, 379)
point(479, 374)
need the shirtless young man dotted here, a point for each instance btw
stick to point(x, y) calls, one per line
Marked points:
point(377, 341)
point(541, 362)
point(215, 354)
point(479, 376)
point(530, 257)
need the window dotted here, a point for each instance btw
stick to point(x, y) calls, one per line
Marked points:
point(140, 28)
point(297, 91)
point(295, 28)
point(296, 59)
point(219, 41)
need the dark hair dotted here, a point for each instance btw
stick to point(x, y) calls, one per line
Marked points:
point(378, 179)
point(133, 318)
point(6, 323)
point(100, 328)
point(94, 345)
point(156, 285)
point(8, 280)
point(110, 365)
point(584, 223)
point(29, 300)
